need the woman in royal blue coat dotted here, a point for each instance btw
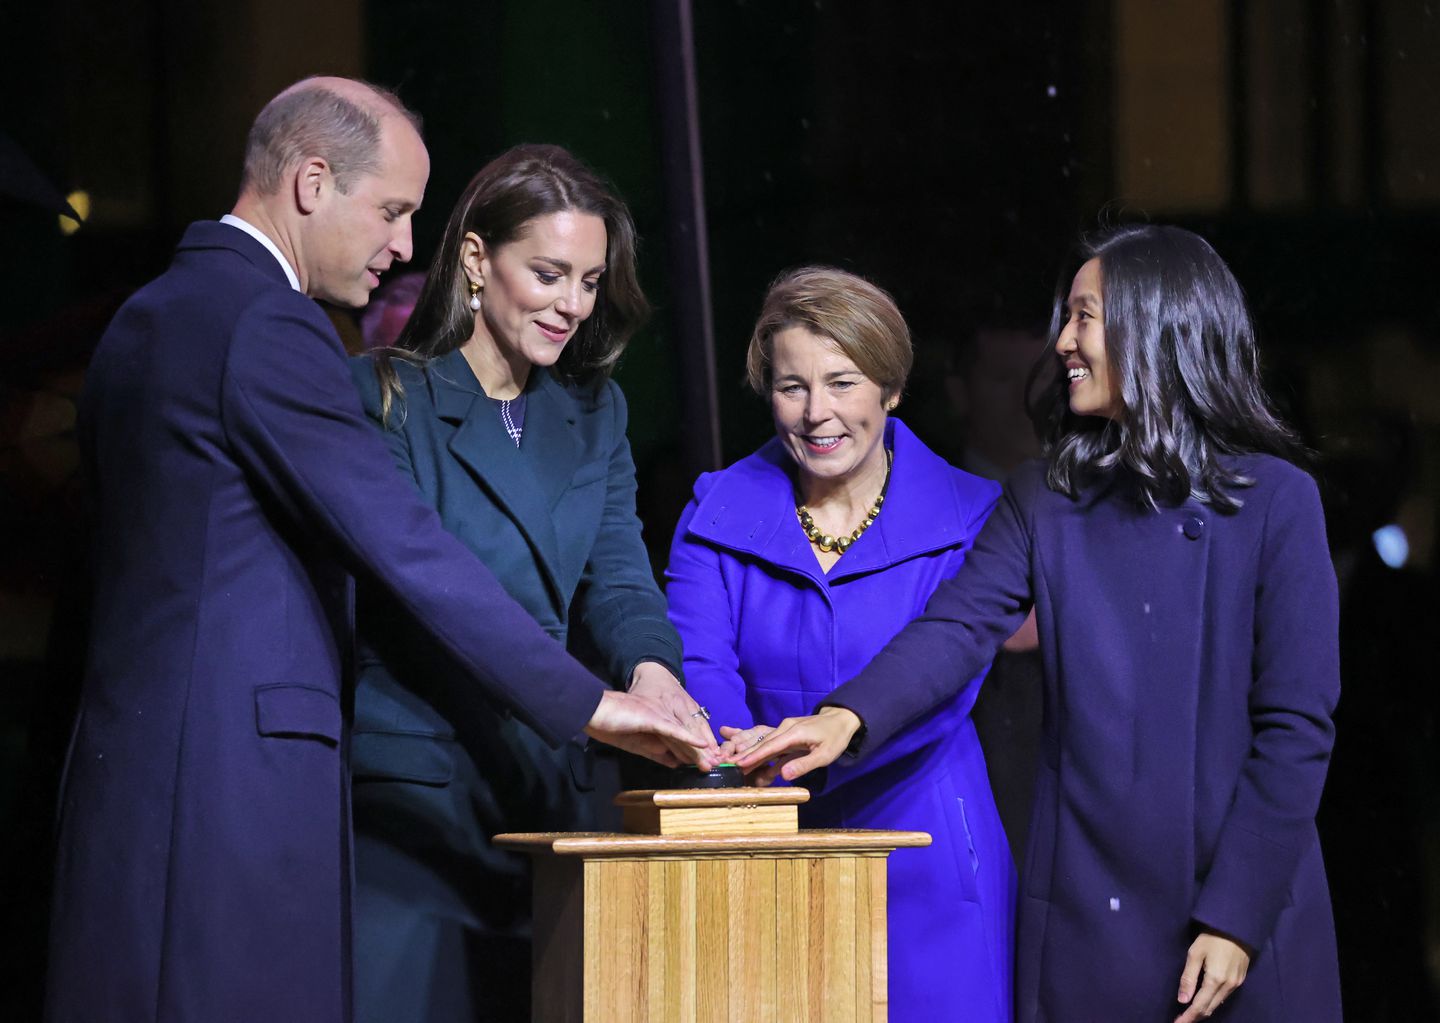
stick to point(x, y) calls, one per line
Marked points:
point(497, 403)
point(1176, 559)
point(792, 567)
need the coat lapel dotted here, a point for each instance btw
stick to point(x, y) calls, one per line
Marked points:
point(919, 515)
point(524, 482)
point(552, 447)
point(752, 510)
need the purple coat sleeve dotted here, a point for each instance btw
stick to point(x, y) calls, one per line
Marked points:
point(1271, 822)
point(297, 425)
point(942, 651)
point(700, 610)
point(931, 725)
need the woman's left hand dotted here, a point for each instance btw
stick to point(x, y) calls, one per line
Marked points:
point(1224, 964)
point(800, 745)
point(655, 682)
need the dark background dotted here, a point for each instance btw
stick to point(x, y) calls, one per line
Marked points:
point(948, 151)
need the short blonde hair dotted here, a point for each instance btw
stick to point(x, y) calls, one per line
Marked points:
point(859, 317)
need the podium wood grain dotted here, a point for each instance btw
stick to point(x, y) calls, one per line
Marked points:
point(747, 811)
point(718, 927)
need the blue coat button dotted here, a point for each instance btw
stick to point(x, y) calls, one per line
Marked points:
point(1194, 527)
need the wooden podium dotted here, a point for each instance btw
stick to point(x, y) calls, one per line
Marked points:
point(712, 906)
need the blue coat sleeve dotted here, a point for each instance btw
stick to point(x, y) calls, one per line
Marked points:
point(291, 413)
point(942, 651)
point(618, 601)
point(1271, 821)
point(700, 609)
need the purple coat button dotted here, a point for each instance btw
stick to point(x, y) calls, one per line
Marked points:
point(1194, 527)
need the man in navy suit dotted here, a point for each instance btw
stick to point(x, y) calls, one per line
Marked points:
point(204, 844)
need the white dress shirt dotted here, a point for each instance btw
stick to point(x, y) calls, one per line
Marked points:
point(259, 236)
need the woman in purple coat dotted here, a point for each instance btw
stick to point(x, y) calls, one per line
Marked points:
point(1176, 559)
point(794, 566)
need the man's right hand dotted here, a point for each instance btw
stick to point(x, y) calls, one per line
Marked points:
point(639, 725)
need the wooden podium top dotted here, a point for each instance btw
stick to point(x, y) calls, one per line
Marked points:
point(750, 796)
point(814, 843)
point(710, 823)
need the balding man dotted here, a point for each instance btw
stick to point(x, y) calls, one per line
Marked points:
point(203, 870)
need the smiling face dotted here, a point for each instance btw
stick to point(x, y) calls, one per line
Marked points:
point(538, 288)
point(1094, 387)
point(830, 416)
point(358, 234)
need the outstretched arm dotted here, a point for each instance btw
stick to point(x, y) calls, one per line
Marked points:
point(927, 663)
point(294, 421)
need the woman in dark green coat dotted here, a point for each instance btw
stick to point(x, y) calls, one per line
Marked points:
point(497, 402)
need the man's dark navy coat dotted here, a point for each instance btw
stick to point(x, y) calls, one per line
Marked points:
point(203, 869)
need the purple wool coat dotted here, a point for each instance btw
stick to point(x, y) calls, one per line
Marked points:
point(768, 635)
point(1191, 671)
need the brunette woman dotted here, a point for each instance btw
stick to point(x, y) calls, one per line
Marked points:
point(497, 403)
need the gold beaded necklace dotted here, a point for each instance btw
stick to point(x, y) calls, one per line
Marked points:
point(828, 543)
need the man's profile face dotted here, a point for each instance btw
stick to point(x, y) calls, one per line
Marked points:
point(358, 235)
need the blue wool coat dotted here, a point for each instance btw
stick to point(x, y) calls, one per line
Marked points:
point(442, 916)
point(768, 635)
point(204, 842)
point(1191, 672)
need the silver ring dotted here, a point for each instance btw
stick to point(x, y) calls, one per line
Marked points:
point(701, 713)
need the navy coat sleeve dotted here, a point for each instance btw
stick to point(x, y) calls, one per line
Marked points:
point(963, 625)
point(1271, 821)
point(618, 601)
point(932, 724)
point(292, 414)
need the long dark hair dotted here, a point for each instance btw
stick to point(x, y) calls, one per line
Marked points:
point(519, 185)
point(1181, 347)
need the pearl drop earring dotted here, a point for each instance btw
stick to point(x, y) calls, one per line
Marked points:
point(474, 296)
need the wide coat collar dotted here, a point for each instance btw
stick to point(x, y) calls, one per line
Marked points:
point(750, 508)
point(527, 481)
